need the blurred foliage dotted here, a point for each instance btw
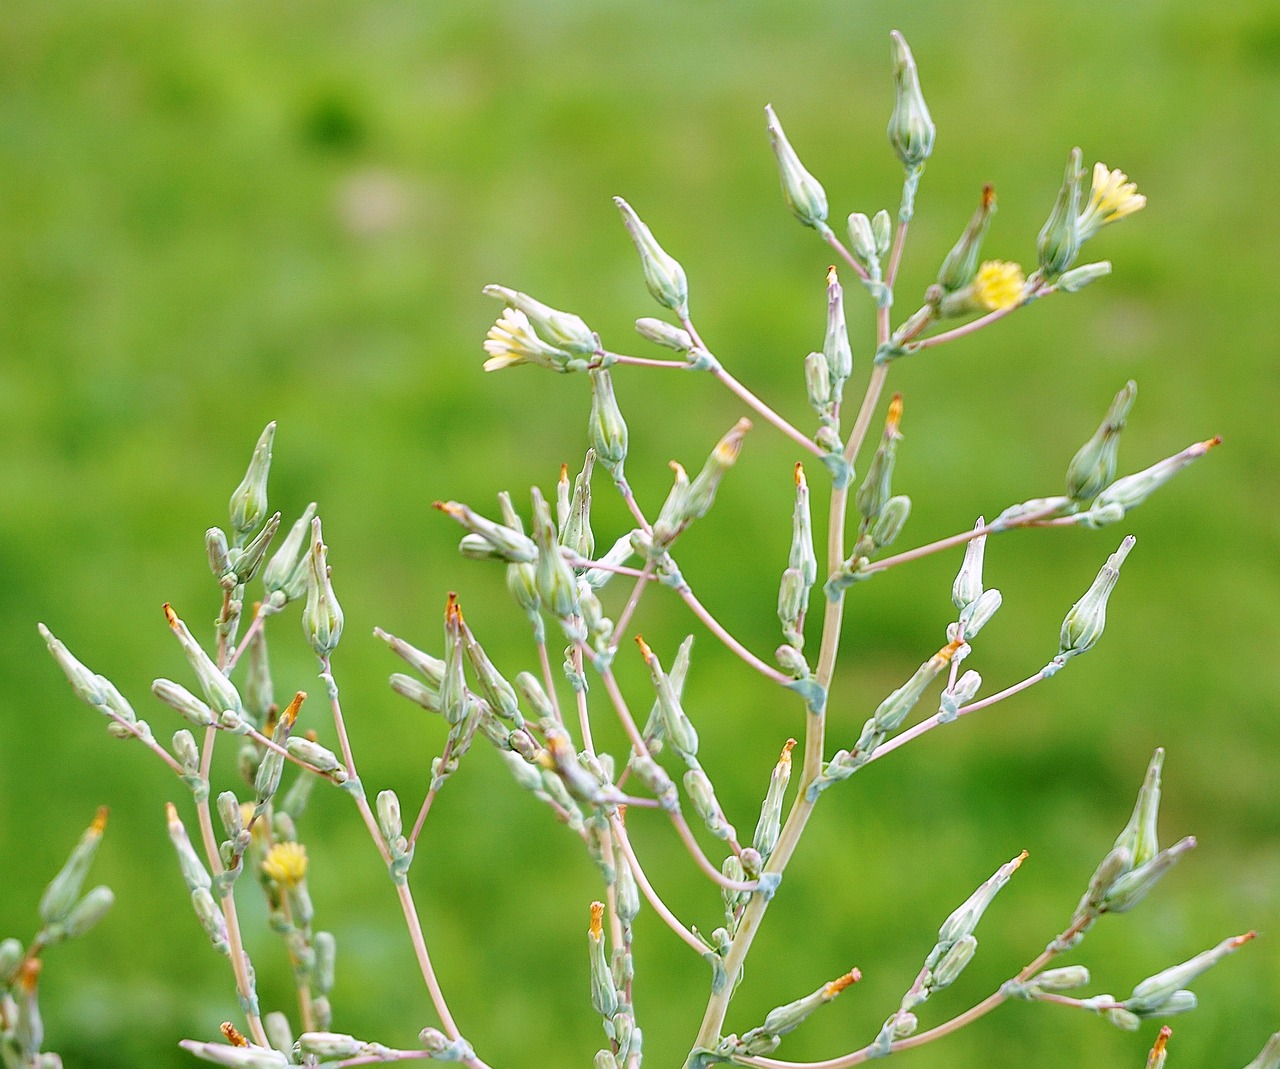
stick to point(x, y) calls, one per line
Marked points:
point(214, 215)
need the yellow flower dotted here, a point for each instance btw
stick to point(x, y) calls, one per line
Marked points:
point(998, 285)
point(286, 864)
point(511, 340)
point(1112, 197)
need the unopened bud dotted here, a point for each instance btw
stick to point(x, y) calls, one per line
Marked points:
point(64, 889)
point(662, 333)
point(1085, 622)
point(835, 345)
point(803, 193)
point(1132, 490)
point(862, 240)
point(608, 430)
point(961, 263)
point(1094, 466)
point(892, 519)
point(1059, 240)
point(249, 500)
point(662, 274)
point(911, 130)
point(1078, 277)
point(894, 709)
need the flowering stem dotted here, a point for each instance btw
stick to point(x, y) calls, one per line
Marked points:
point(1032, 519)
point(644, 361)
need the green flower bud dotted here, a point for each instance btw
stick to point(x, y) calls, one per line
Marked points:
point(953, 963)
point(676, 726)
point(961, 264)
point(702, 796)
point(1085, 622)
point(911, 130)
point(803, 193)
point(892, 519)
point(322, 615)
point(219, 691)
point(894, 709)
point(662, 274)
point(877, 487)
point(215, 547)
point(817, 382)
point(88, 911)
point(178, 697)
point(246, 561)
point(564, 330)
point(1077, 278)
point(702, 491)
point(249, 501)
point(862, 241)
point(1155, 990)
point(835, 346)
point(607, 428)
point(1134, 886)
point(250, 1057)
point(192, 868)
point(1067, 978)
point(961, 924)
point(11, 956)
point(556, 583)
point(330, 1044)
point(326, 950)
point(1094, 466)
point(664, 334)
point(60, 896)
point(770, 823)
point(1269, 1056)
point(783, 1019)
point(575, 530)
point(318, 757)
point(882, 229)
point(86, 685)
point(1059, 240)
point(974, 616)
point(1139, 835)
point(957, 696)
point(604, 996)
point(1132, 490)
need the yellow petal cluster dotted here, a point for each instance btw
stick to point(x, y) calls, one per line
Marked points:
point(286, 864)
point(511, 340)
point(1111, 197)
point(998, 285)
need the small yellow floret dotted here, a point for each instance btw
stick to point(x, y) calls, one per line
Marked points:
point(1113, 196)
point(998, 285)
point(286, 863)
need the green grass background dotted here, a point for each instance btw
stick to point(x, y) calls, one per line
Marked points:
point(214, 215)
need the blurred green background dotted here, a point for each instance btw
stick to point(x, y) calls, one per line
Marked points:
point(214, 215)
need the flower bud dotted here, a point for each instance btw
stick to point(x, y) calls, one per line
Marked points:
point(676, 726)
point(64, 889)
point(882, 229)
point(702, 491)
point(1094, 466)
point(974, 616)
point(249, 501)
point(322, 615)
point(1156, 990)
point(877, 488)
point(964, 920)
point(702, 796)
point(607, 428)
point(662, 333)
point(1059, 240)
point(961, 264)
point(86, 685)
point(894, 709)
point(219, 691)
point(88, 911)
point(911, 130)
point(662, 274)
point(953, 962)
point(1066, 978)
point(246, 561)
point(892, 519)
point(556, 583)
point(783, 1019)
point(1132, 490)
point(1139, 835)
point(1269, 1056)
point(215, 547)
point(835, 346)
point(954, 697)
point(604, 996)
point(575, 530)
point(178, 697)
point(817, 382)
point(862, 241)
point(286, 570)
point(803, 193)
point(192, 868)
point(1077, 278)
point(1084, 624)
point(770, 823)
point(1131, 888)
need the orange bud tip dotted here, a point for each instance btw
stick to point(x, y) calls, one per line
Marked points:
point(895, 414)
point(988, 196)
point(1240, 940)
point(1210, 443)
point(564, 473)
point(597, 920)
point(787, 747)
point(170, 616)
point(29, 974)
point(310, 735)
point(800, 479)
point(949, 650)
point(232, 1034)
point(645, 651)
point(1019, 859)
point(99, 824)
point(171, 812)
point(1162, 1040)
point(290, 713)
point(832, 278)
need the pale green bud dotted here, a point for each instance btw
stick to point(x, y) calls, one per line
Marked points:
point(575, 529)
point(1134, 886)
point(1179, 1002)
point(676, 726)
point(817, 382)
point(1154, 990)
point(246, 561)
point(702, 491)
point(430, 667)
point(655, 777)
point(1066, 978)
point(211, 919)
point(219, 691)
point(953, 962)
point(792, 599)
point(279, 1032)
point(619, 553)
point(318, 757)
point(802, 556)
point(862, 241)
point(702, 796)
point(803, 193)
point(1117, 862)
point(961, 264)
point(417, 692)
point(662, 274)
point(882, 228)
point(530, 688)
point(86, 685)
point(1039, 507)
point(326, 951)
point(236, 1057)
point(186, 751)
point(1085, 622)
point(662, 333)
point(783, 1019)
point(215, 547)
point(1139, 835)
point(330, 1044)
point(1121, 1018)
point(604, 1059)
point(911, 130)
point(606, 427)
point(877, 487)
point(974, 616)
point(625, 892)
point(604, 996)
point(1094, 466)
point(1132, 490)
point(1059, 240)
point(835, 346)
point(561, 329)
point(955, 697)
point(555, 580)
point(286, 571)
point(178, 697)
point(60, 896)
point(894, 709)
point(229, 813)
point(1077, 278)
point(892, 519)
point(192, 868)
point(509, 543)
point(249, 501)
point(88, 911)
point(964, 920)
point(322, 615)
point(674, 514)
point(770, 823)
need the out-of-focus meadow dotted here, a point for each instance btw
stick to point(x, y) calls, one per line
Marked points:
point(215, 215)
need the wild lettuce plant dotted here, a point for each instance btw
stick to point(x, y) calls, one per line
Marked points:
point(579, 604)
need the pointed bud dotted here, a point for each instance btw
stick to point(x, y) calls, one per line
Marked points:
point(964, 920)
point(1134, 886)
point(1094, 466)
point(784, 1019)
point(286, 571)
point(219, 691)
point(1085, 622)
point(802, 556)
point(509, 543)
point(1059, 240)
point(894, 709)
point(1155, 990)
point(246, 561)
point(817, 382)
point(1139, 835)
point(1269, 1056)
point(974, 616)
point(88, 911)
point(555, 580)
point(803, 193)
point(911, 130)
point(86, 685)
point(249, 501)
point(835, 346)
point(961, 265)
point(770, 823)
point(952, 963)
point(862, 241)
point(702, 491)
point(192, 868)
point(662, 274)
point(1077, 278)
point(322, 615)
point(676, 726)
point(606, 427)
point(64, 889)
point(604, 996)
point(662, 333)
point(575, 530)
point(877, 487)
point(1132, 490)
point(892, 519)
point(702, 796)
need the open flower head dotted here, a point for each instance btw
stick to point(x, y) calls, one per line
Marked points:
point(286, 864)
point(1111, 197)
point(998, 285)
point(511, 341)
